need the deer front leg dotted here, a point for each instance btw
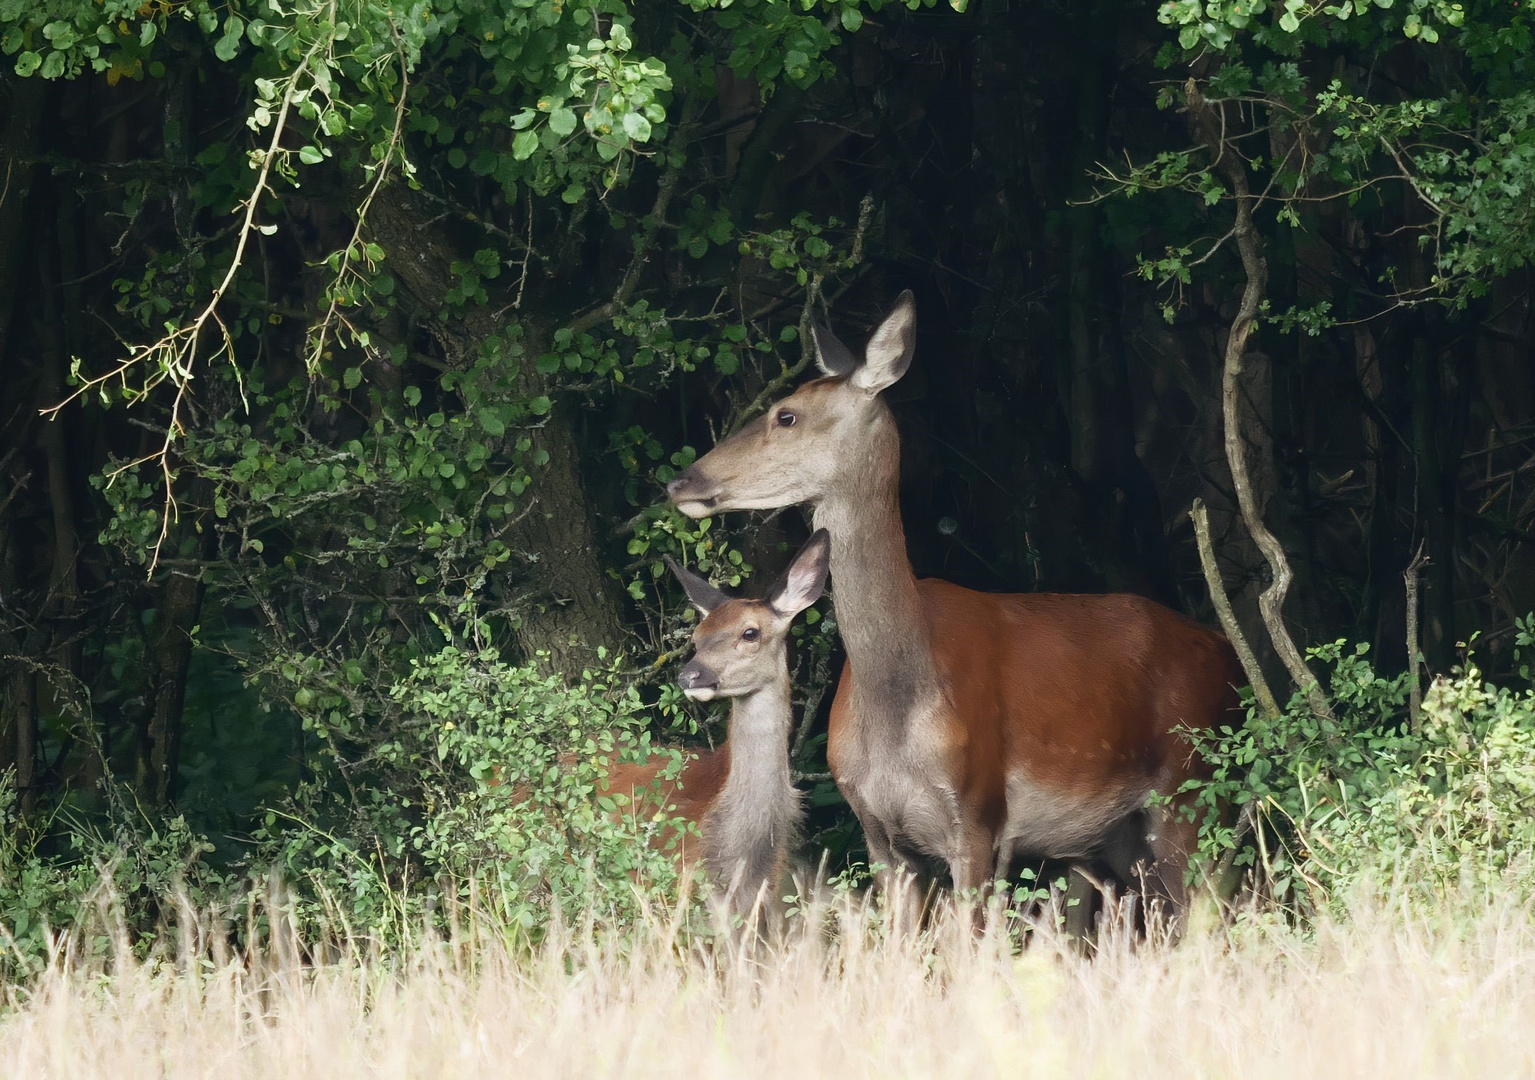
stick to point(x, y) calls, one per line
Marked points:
point(895, 875)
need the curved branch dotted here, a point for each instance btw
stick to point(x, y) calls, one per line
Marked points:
point(1227, 617)
point(1249, 247)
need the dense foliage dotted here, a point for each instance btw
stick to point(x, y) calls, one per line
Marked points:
point(354, 343)
point(1331, 808)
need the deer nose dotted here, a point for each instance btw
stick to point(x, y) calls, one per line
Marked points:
point(692, 486)
point(695, 676)
point(685, 479)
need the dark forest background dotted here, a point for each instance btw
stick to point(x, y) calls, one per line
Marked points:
point(348, 349)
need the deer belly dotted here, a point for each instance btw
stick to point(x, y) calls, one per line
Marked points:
point(1047, 822)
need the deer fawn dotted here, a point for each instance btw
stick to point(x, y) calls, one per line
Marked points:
point(973, 727)
point(741, 795)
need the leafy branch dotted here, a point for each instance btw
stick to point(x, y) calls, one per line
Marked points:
point(356, 248)
point(172, 357)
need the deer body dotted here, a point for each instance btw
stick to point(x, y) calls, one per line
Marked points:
point(973, 727)
point(741, 795)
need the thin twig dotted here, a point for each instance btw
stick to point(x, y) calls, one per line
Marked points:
point(355, 244)
point(177, 350)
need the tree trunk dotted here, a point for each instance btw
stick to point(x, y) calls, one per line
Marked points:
point(574, 610)
point(170, 655)
point(1250, 501)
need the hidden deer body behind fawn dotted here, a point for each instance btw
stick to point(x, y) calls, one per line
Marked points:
point(740, 795)
point(973, 727)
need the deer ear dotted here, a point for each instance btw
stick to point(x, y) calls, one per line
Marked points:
point(831, 356)
point(705, 597)
point(805, 579)
point(889, 352)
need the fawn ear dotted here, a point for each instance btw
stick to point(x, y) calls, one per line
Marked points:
point(890, 349)
point(831, 356)
point(805, 579)
point(705, 597)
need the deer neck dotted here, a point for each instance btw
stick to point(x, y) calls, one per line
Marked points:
point(759, 744)
point(879, 610)
point(757, 816)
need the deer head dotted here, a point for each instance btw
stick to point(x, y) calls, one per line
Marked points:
point(831, 436)
point(739, 646)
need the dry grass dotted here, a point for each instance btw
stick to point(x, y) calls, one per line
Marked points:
point(1377, 995)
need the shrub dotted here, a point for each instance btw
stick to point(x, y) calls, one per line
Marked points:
point(1362, 801)
point(503, 805)
point(66, 883)
point(488, 792)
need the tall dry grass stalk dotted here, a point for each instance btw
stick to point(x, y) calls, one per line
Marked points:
point(1381, 994)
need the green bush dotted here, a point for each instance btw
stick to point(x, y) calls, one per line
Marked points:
point(499, 803)
point(1363, 801)
point(489, 792)
point(67, 884)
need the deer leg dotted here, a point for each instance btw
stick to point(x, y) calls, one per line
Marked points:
point(896, 877)
point(1173, 839)
point(1127, 853)
point(971, 868)
point(1080, 894)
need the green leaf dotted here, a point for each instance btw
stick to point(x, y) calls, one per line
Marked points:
point(539, 405)
point(352, 378)
point(636, 127)
point(27, 63)
point(226, 46)
point(524, 144)
point(492, 423)
point(562, 121)
point(852, 19)
point(310, 155)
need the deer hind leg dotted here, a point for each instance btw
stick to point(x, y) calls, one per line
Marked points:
point(1173, 840)
point(972, 868)
point(1150, 852)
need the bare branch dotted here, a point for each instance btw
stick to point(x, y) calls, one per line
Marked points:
point(355, 244)
point(1271, 600)
point(1228, 618)
point(1414, 654)
point(664, 191)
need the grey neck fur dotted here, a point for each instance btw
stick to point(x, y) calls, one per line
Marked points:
point(879, 611)
point(757, 816)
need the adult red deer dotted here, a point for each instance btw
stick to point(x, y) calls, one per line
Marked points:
point(741, 795)
point(973, 727)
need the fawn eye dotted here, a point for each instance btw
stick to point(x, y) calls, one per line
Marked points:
point(751, 633)
point(786, 418)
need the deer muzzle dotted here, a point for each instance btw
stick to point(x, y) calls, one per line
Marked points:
point(694, 494)
point(698, 682)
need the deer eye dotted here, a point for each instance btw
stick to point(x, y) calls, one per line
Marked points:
point(786, 418)
point(751, 633)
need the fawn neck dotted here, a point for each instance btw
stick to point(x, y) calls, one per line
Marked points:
point(759, 742)
point(757, 814)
